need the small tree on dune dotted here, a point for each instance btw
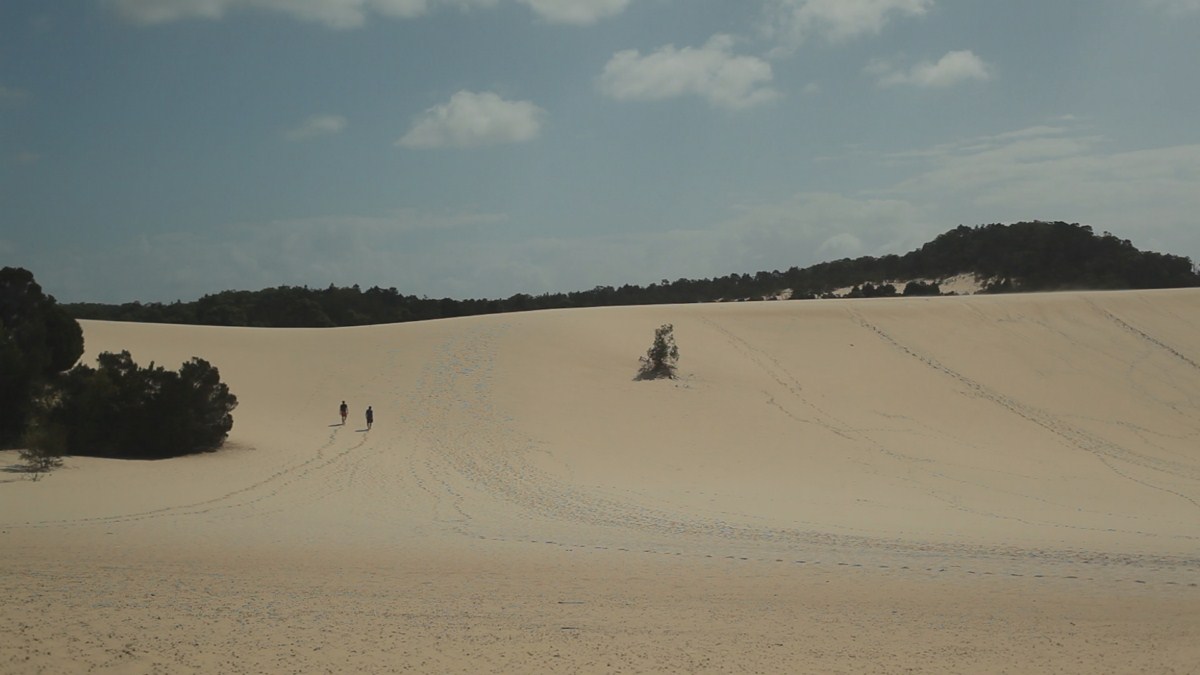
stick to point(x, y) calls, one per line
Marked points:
point(45, 445)
point(660, 360)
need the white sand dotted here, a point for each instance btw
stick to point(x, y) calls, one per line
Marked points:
point(959, 284)
point(946, 485)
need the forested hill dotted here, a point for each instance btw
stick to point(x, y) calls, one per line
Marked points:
point(1031, 256)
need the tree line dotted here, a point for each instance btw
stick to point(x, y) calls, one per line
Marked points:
point(1026, 256)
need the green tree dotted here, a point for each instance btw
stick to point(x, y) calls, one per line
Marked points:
point(38, 340)
point(922, 288)
point(661, 359)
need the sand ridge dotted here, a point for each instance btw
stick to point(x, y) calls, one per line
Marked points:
point(1001, 468)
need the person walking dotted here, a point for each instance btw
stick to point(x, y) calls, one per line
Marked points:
point(345, 410)
point(370, 417)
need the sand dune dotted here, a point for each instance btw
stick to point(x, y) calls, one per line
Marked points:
point(971, 484)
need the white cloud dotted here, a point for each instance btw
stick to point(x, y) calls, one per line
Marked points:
point(953, 68)
point(712, 72)
point(331, 13)
point(469, 119)
point(792, 22)
point(317, 125)
point(579, 12)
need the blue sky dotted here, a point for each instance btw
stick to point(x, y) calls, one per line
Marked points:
point(156, 150)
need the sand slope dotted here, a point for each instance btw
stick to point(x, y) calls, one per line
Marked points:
point(947, 484)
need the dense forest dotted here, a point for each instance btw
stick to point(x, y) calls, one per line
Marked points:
point(1021, 257)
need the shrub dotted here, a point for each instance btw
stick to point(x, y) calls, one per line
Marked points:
point(45, 444)
point(123, 411)
point(659, 361)
point(920, 288)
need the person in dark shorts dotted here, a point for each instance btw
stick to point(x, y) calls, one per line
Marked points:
point(370, 417)
point(345, 410)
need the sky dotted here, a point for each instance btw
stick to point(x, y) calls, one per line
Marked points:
point(159, 150)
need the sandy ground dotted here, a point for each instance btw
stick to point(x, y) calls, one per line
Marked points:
point(934, 485)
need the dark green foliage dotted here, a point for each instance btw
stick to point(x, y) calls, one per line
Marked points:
point(117, 410)
point(869, 290)
point(1041, 256)
point(38, 340)
point(124, 411)
point(1033, 256)
point(921, 288)
point(660, 360)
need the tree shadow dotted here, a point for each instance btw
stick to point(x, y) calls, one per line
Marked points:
point(19, 468)
point(22, 472)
